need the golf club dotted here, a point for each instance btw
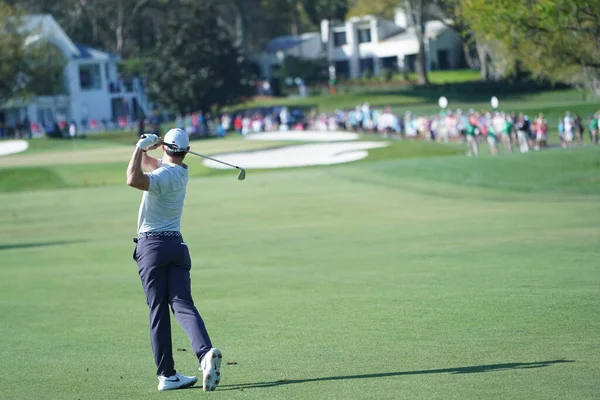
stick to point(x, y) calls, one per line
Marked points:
point(241, 176)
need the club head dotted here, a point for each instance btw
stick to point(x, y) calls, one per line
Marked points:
point(242, 174)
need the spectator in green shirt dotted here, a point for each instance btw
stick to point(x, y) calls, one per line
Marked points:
point(593, 127)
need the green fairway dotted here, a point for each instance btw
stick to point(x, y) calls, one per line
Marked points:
point(439, 277)
point(424, 100)
point(99, 167)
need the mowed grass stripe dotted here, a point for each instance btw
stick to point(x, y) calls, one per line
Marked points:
point(569, 171)
point(77, 152)
point(24, 179)
point(107, 166)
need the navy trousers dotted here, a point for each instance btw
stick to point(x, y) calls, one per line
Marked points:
point(164, 266)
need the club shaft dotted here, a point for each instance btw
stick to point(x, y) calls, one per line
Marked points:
point(214, 159)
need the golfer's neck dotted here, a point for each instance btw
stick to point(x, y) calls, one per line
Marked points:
point(172, 160)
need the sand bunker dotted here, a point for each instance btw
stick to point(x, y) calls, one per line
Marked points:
point(12, 147)
point(299, 156)
point(304, 136)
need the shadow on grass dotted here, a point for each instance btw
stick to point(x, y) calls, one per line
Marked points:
point(36, 244)
point(459, 370)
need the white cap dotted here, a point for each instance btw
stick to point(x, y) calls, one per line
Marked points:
point(178, 137)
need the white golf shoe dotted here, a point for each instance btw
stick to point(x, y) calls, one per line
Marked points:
point(176, 381)
point(211, 369)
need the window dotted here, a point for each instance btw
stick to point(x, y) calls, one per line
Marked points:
point(342, 70)
point(89, 77)
point(390, 63)
point(364, 35)
point(339, 38)
point(45, 115)
point(367, 64)
point(106, 72)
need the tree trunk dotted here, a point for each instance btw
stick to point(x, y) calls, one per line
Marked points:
point(296, 31)
point(94, 30)
point(295, 19)
point(470, 52)
point(415, 11)
point(422, 64)
point(486, 63)
point(119, 29)
point(483, 60)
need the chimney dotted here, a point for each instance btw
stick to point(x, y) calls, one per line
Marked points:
point(400, 18)
point(325, 27)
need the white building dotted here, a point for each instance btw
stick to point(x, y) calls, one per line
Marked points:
point(94, 92)
point(367, 43)
point(306, 45)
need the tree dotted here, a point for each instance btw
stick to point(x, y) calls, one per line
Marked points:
point(285, 10)
point(381, 8)
point(196, 65)
point(318, 10)
point(555, 39)
point(111, 21)
point(120, 26)
point(303, 14)
point(125, 13)
point(479, 52)
point(27, 67)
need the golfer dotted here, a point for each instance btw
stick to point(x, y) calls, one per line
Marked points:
point(164, 261)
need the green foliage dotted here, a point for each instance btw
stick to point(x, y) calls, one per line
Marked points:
point(195, 65)
point(318, 10)
point(119, 26)
point(135, 66)
point(367, 74)
point(26, 69)
point(11, 52)
point(556, 39)
point(388, 74)
point(382, 8)
point(44, 65)
point(450, 77)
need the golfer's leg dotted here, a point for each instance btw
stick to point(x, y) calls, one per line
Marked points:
point(154, 280)
point(180, 297)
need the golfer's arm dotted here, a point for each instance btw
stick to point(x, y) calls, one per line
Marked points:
point(135, 176)
point(149, 163)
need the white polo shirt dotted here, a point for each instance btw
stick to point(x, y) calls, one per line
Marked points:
point(162, 204)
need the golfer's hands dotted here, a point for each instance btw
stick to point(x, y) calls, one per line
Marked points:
point(157, 145)
point(148, 142)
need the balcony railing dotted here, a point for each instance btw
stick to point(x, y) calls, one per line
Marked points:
point(126, 85)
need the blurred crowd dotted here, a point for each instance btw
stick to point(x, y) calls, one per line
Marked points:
point(500, 130)
point(63, 128)
point(509, 131)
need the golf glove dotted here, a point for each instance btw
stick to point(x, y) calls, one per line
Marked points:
point(147, 140)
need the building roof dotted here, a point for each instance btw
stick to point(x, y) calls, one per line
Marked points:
point(432, 29)
point(86, 52)
point(282, 43)
point(45, 27)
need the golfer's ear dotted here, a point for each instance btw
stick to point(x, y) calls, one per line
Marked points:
point(188, 149)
